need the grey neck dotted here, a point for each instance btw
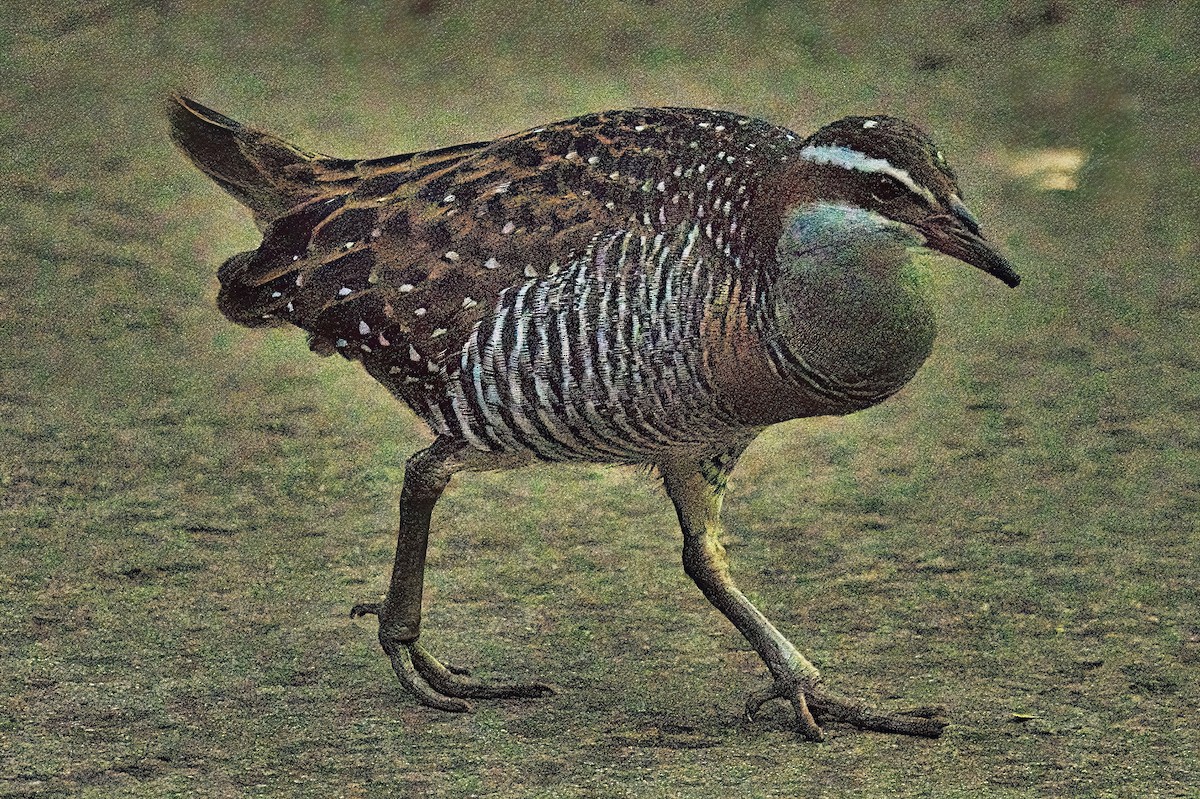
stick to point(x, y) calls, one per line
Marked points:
point(851, 309)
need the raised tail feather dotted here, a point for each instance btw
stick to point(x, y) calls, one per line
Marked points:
point(262, 172)
point(288, 189)
point(297, 198)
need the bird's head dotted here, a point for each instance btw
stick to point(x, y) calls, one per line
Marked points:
point(890, 167)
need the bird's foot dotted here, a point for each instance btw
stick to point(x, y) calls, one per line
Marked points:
point(438, 685)
point(813, 704)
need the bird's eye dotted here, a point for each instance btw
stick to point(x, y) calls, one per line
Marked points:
point(887, 189)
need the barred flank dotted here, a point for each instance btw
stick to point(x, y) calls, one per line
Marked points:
point(600, 361)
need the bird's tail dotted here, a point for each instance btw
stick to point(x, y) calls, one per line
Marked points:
point(262, 172)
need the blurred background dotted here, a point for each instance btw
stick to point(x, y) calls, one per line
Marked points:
point(188, 509)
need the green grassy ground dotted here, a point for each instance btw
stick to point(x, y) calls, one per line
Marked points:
point(188, 510)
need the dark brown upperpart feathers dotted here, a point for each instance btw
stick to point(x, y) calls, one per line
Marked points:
point(393, 260)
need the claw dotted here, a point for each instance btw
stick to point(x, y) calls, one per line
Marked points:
point(434, 683)
point(812, 701)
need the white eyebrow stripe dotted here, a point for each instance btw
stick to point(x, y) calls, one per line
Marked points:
point(853, 159)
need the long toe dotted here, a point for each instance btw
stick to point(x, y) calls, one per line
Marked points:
point(456, 682)
point(814, 705)
point(416, 685)
point(924, 721)
point(806, 725)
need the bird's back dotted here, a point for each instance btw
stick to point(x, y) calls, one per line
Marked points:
point(551, 291)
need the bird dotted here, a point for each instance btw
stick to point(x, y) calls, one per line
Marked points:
point(650, 286)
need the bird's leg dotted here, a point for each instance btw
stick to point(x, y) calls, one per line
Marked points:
point(697, 493)
point(444, 687)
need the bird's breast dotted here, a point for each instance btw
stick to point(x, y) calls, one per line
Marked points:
point(844, 323)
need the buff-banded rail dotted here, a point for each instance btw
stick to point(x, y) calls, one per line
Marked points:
point(649, 286)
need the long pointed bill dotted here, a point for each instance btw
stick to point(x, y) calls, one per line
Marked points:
point(959, 237)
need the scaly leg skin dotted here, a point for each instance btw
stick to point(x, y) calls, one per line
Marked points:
point(426, 476)
point(697, 490)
